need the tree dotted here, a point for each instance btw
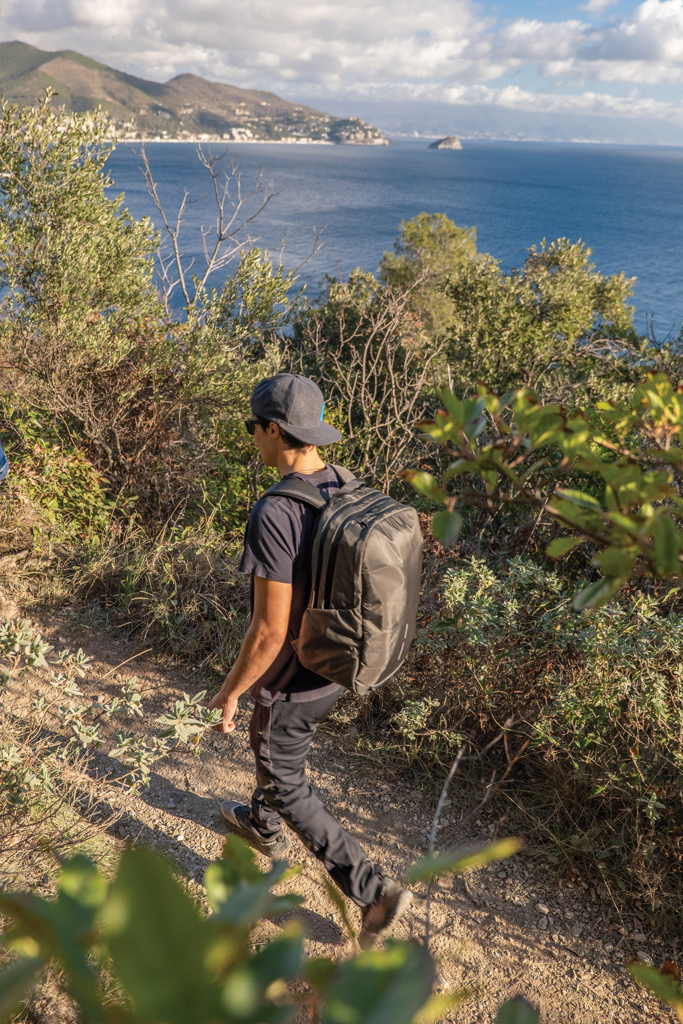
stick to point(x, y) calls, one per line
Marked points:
point(87, 338)
point(432, 250)
point(555, 324)
point(370, 353)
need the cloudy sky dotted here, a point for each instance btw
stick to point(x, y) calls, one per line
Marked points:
point(609, 70)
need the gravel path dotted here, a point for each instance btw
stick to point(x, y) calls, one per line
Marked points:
point(514, 927)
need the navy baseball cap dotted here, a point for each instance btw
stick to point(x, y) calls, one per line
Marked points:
point(297, 405)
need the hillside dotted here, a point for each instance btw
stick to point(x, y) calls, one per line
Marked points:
point(186, 107)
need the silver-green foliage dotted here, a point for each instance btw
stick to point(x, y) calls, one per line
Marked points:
point(76, 720)
point(617, 713)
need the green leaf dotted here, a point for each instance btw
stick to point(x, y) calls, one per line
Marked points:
point(459, 467)
point(81, 881)
point(281, 958)
point(576, 515)
point(616, 562)
point(339, 903)
point(439, 1004)
point(579, 498)
point(596, 594)
point(158, 943)
point(319, 971)
point(664, 986)
point(457, 861)
point(381, 986)
point(237, 864)
point(666, 547)
point(62, 928)
point(517, 1011)
point(446, 527)
point(562, 546)
point(247, 902)
point(16, 982)
point(240, 856)
point(424, 483)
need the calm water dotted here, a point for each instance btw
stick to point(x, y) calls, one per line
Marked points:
point(625, 202)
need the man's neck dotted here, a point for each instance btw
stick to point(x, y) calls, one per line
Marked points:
point(299, 460)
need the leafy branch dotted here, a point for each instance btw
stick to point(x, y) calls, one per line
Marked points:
point(629, 456)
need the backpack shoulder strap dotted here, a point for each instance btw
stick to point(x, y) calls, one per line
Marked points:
point(345, 475)
point(300, 491)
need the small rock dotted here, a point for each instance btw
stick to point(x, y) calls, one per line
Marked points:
point(608, 947)
point(502, 874)
point(350, 733)
point(638, 937)
point(576, 930)
point(555, 937)
point(8, 608)
point(542, 909)
point(644, 957)
point(450, 142)
point(543, 923)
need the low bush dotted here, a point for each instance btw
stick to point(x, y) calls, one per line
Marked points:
point(179, 589)
point(602, 699)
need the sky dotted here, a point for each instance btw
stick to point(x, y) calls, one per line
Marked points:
point(598, 70)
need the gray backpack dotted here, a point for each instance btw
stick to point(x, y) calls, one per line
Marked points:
point(366, 572)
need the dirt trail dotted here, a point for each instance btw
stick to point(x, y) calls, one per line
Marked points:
point(491, 933)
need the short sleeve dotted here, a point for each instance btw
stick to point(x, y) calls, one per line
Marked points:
point(271, 541)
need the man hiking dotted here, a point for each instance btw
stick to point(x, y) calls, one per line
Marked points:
point(290, 701)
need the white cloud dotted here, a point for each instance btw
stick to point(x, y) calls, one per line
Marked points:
point(442, 50)
point(597, 7)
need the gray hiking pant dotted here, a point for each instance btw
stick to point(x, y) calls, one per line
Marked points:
point(281, 736)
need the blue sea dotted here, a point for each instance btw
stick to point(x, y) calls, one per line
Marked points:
point(625, 202)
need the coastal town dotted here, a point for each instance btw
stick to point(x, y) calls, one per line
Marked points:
point(187, 108)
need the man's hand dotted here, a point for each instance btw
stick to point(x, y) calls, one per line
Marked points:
point(261, 647)
point(228, 702)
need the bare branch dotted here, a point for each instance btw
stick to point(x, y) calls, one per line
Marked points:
point(221, 243)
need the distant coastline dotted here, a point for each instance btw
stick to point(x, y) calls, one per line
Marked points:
point(187, 108)
point(240, 142)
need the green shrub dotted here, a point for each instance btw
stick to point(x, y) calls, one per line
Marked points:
point(555, 324)
point(598, 696)
point(171, 964)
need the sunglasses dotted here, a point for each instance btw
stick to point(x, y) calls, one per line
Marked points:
point(250, 426)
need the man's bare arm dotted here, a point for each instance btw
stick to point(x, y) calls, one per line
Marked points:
point(262, 644)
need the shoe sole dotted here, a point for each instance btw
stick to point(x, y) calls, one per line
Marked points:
point(367, 939)
point(404, 901)
point(259, 844)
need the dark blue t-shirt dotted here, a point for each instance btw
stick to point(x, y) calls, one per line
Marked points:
point(277, 546)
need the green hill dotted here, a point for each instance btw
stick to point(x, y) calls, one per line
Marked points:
point(186, 107)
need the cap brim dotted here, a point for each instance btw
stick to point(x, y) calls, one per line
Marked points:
point(322, 433)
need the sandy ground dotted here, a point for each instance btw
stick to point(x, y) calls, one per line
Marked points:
point(515, 927)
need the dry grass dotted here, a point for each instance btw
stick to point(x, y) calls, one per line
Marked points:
point(180, 591)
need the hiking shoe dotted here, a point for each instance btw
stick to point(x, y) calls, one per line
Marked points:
point(240, 821)
point(392, 903)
